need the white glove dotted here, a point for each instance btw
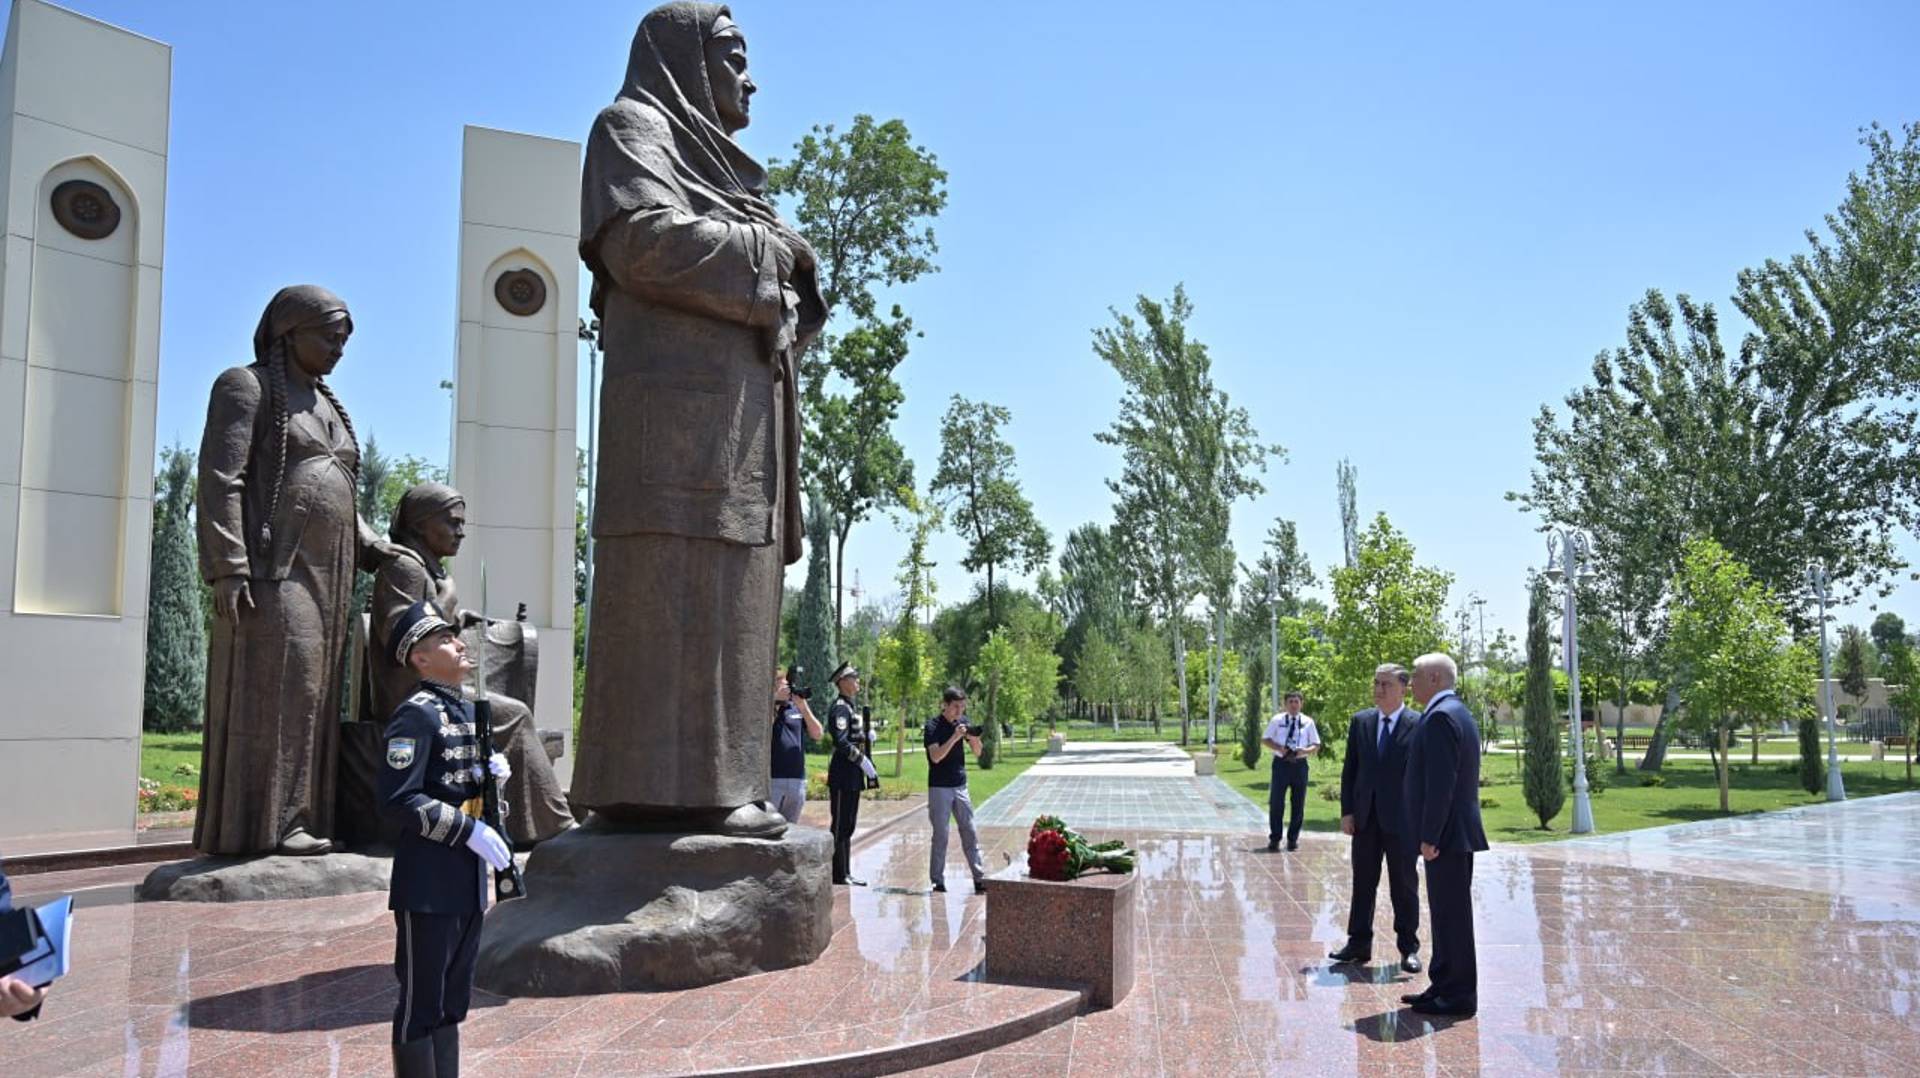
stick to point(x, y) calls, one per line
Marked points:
point(497, 764)
point(491, 848)
point(866, 765)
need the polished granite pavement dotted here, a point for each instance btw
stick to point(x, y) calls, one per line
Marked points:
point(1686, 951)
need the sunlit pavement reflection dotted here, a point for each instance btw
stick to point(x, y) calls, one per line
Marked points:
point(1686, 951)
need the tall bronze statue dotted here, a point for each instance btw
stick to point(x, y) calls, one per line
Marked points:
point(428, 526)
point(279, 541)
point(705, 298)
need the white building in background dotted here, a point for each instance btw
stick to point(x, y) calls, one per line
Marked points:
point(514, 390)
point(83, 164)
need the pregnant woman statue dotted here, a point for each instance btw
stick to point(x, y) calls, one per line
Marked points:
point(279, 541)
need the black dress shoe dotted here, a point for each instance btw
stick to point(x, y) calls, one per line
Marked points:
point(1410, 962)
point(1352, 955)
point(1414, 999)
point(1273, 847)
point(1442, 1007)
point(939, 888)
point(854, 882)
point(1292, 846)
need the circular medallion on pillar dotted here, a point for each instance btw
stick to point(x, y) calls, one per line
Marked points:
point(85, 209)
point(521, 292)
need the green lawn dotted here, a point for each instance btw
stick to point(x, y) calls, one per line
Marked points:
point(1691, 793)
point(171, 759)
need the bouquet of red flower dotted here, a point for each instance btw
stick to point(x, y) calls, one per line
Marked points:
point(1057, 852)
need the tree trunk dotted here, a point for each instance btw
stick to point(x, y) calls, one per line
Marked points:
point(1756, 743)
point(839, 582)
point(1657, 746)
point(1180, 640)
point(1620, 723)
point(1721, 731)
point(993, 612)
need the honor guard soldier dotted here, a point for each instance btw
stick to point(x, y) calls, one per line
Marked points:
point(847, 775)
point(431, 789)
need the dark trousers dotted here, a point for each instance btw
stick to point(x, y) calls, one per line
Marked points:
point(845, 807)
point(1454, 972)
point(1370, 846)
point(1289, 783)
point(433, 958)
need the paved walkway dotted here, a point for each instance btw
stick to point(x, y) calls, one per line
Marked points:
point(1123, 786)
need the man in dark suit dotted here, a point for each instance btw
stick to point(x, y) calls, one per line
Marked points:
point(1443, 809)
point(1373, 811)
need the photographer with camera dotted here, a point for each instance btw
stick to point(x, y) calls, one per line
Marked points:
point(793, 726)
point(947, 787)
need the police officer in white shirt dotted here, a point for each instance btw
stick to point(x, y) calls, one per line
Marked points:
point(1291, 737)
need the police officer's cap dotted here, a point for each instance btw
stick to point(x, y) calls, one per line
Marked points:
point(415, 624)
point(843, 671)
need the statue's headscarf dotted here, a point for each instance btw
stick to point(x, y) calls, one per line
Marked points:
point(296, 307)
point(701, 170)
point(421, 503)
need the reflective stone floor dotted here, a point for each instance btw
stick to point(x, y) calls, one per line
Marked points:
point(1595, 957)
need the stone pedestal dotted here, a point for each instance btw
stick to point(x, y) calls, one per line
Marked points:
point(1056, 742)
point(261, 879)
point(1205, 763)
point(1077, 932)
point(1879, 749)
point(623, 911)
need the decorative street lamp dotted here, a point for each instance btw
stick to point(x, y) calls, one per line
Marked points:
point(1572, 551)
point(590, 333)
point(1273, 640)
point(1836, 789)
point(1213, 685)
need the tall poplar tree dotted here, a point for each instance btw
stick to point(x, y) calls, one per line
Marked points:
point(976, 485)
point(1546, 794)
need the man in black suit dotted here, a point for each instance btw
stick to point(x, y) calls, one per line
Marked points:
point(1443, 809)
point(1373, 811)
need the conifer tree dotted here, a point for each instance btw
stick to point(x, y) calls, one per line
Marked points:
point(176, 608)
point(813, 643)
point(1545, 793)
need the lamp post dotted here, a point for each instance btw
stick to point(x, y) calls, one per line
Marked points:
point(1273, 640)
point(1480, 605)
point(590, 333)
point(1572, 549)
point(1213, 682)
point(1836, 789)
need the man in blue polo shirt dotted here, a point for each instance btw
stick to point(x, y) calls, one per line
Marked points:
point(947, 786)
point(793, 726)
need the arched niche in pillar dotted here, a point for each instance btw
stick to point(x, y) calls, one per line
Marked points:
point(80, 411)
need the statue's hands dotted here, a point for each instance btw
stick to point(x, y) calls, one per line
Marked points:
point(228, 593)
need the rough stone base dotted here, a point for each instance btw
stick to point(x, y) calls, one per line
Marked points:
point(261, 879)
point(621, 911)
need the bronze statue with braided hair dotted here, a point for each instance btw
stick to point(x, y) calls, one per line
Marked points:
point(280, 537)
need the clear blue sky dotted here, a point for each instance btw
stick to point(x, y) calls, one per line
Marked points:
point(1403, 230)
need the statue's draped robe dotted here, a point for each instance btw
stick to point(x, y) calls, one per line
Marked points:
point(538, 804)
point(274, 678)
point(697, 508)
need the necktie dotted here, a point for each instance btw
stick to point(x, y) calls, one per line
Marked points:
point(1386, 731)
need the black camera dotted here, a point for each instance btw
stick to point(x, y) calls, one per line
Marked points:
point(794, 674)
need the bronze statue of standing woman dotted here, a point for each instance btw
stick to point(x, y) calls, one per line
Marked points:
point(706, 298)
point(280, 538)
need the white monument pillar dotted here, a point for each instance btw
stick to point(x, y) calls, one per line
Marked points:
point(514, 388)
point(83, 167)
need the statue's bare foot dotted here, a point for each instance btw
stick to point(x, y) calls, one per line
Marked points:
point(298, 843)
point(754, 821)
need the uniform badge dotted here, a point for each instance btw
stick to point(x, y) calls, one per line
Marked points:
point(840, 722)
point(400, 753)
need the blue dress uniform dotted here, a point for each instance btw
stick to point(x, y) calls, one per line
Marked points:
point(845, 779)
point(431, 789)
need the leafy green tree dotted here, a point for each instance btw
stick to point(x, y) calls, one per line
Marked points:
point(1902, 665)
point(1096, 590)
point(907, 660)
point(864, 198)
point(175, 695)
point(1813, 770)
point(975, 484)
point(1101, 675)
point(1856, 661)
point(1147, 673)
point(1386, 608)
point(1728, 636)
point(1783, 453)
point(1888, 632)
point(1546, 796)
point(813, 634)
point(1187, 455)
